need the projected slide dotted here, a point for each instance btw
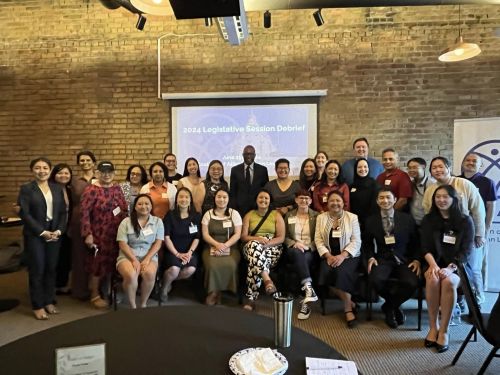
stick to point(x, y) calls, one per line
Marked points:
point(221, 132)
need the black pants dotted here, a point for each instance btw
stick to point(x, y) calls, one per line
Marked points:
point(64, 262)
point(395, 283)
point(302, 262)
point(42, 263)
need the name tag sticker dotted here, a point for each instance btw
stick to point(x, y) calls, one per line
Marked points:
point(227, 224)
point(325, 198)
point(117, 210)
point(193, 229)
point(387, 182)
point(147, 231)
point(449, 238)
point(175, 182)
point(292, 220)
point(164, 195)
point(353, 190)
point(336, 233)
point(390, 240)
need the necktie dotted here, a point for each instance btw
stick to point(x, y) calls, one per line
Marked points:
point(387, 222)
point(247, 176)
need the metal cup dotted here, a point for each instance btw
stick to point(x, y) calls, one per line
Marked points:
point(283, 307)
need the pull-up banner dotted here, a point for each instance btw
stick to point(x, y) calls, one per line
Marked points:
point(482, 136)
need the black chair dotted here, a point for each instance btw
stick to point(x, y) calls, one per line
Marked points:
point(478, 321)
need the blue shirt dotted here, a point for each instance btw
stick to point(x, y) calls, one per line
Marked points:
point(374, 166)
point(152, 231)
point(485, 185)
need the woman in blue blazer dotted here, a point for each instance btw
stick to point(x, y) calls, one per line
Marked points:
point(43, 210)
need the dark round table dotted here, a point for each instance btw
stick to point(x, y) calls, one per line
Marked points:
point(162, 340)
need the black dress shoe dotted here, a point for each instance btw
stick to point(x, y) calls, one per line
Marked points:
point(441, 348)
point(429, 343)
point(400, 316)
point(390, 319)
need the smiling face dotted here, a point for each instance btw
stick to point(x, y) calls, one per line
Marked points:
point(386, 200)
point(440, 171)
point(192, 168)
point(158, 174)
point(86, 163)
point(248, 155)
point(362, 168)
point(221, 199)
point(442, 199)
point(389, 160)
point(143, 206)
point(303, 201)
point(63, 176)
point(309, 169)
point(282, 171)
point(335, 204)
point(332, 172)
point(171, 163)
point(263, 200)
point(183, 199)
point(41, 171)
point(321, 160)
point(360, 149)
point(105, 178)
point(415, 170)
point(216, 171)
point(136, 176)
point(471, 164)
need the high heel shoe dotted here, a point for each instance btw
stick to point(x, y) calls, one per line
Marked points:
point(429, 343)
point(353, 322)
point(444, 347)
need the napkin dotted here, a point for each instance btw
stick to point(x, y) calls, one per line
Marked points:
point(261, 361)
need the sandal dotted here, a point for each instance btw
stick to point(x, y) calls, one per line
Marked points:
point(249, 305)
point(350, 323)
point(40, 314)
point(99, 303)
point(270, 287)
point(51, 309)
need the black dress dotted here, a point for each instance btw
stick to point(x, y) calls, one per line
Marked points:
point(182, 232)
point(363, 198)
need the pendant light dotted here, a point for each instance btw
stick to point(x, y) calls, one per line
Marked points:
point(460, 50)
point(155, 7)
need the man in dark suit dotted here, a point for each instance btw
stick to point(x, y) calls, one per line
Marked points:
point(246, 181)
point(395, 236)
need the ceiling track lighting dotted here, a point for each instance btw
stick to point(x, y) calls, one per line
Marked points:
point(460, 51)
point(267, 19)
point(318, 18)
point(208, 22)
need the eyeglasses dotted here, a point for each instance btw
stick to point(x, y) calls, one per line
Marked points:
point(135, 174)
point(282, 169)
point(303, 198)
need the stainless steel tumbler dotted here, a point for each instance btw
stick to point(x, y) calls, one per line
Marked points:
point(283, 307)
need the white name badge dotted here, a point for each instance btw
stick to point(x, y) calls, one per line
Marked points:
point(325, 198)
point(227, 224)
point(390, 240)
point(175, 182)
point(353, 190)
point(193, 229)
point(292, 220)
point(117, 210)
point(336, 233)
point(164, 195)
point(449, 238)
point(147, 231)
point(387, 182)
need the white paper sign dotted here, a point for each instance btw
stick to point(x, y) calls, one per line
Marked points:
point(322, 366)
point(80, 360)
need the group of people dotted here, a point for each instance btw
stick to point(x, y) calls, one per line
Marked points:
point(333, 221)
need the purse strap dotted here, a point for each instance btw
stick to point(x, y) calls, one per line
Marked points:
point(264, 218)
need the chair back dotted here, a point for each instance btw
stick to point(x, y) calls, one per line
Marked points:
point(470, 298)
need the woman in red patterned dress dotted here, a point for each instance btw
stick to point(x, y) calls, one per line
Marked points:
point(103, 207)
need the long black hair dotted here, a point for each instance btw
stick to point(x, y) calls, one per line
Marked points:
point(302, 176)
point(186, 173)
point(226, 212)
point(455, 211)
point(133, 215)
point(339, 179)
point(58, 168)
point(144, 175)
point(208, 170)
point(191, 209)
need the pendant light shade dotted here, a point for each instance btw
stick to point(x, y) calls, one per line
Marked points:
point(460, 51)
point(155, 7)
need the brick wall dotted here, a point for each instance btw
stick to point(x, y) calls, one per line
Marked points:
point(75, 75)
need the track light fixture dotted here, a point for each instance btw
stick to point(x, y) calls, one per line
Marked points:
point(267, 19)
point(208, 22)
point(318, 18)
point(140, 22)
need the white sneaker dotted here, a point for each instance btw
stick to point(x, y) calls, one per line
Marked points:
point(310, 294)
point(304, 313)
